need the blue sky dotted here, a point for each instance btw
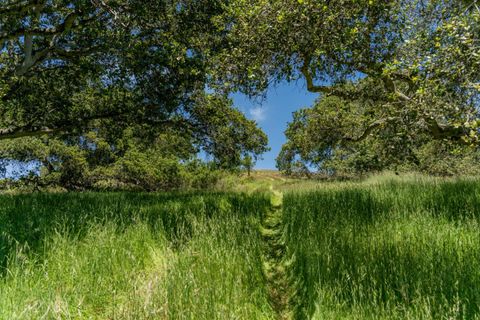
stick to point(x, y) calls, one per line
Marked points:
point(17, 168)
point(273, 113)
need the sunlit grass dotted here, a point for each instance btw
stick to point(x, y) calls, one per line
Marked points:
point(387, 251)
point(126, 256)
point(387, 247)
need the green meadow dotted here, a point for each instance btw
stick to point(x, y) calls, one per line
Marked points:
point(387, 251)
point(385, 248)
point(131, 256)
point(132, 133)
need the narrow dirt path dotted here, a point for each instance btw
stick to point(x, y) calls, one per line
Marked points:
point(274, 256)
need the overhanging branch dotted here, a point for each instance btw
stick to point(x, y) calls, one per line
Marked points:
point(444, 131)
point(391, 87)
point(65, 126)
point(309, 79)
point(436, 130)
point(332, 90)
point(70, 125)
point(20, 132)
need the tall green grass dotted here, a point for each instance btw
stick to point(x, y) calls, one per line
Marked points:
point(381, 249)
point(131, 256)
point(387, 251)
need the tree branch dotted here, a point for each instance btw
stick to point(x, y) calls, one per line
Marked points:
point(390, 86)
point(437, 131)
point(32, 60)
point(66, 126)
point(370, 129)
point(331, 90)
point(309, 79)
point(405, 78)
point(440, 131)
point(20, 132)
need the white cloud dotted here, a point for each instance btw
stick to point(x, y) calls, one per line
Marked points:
point(258, 113)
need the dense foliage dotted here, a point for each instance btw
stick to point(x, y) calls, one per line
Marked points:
point(407, 67)
point(140, 157)
point(406, 74)
point(119, 88)
point(329, 138)
point(66, 63)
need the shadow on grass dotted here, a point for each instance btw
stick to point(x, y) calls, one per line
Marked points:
point(28, 221)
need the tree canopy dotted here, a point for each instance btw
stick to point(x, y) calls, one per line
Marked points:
point(109, 81)
point(388, 73)
point(329, 138)
point(422, 57)
point(65, 63)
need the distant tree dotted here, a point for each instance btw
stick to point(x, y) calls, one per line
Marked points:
point(227, 133)
point(248, 163)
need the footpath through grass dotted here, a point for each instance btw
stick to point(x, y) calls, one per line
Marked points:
point(274, 259)
point(382, 249)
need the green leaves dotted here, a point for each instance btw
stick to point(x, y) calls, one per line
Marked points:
point(424, 53)
point(277, 37)
point(230, 137)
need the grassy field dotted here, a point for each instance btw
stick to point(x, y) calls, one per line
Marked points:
point(384, 248)
point(391, 250)
point(131, 256)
